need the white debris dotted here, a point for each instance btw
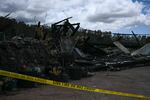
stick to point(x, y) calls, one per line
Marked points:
point(121, 47)
point(145, 50)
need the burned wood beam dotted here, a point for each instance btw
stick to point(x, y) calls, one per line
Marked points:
point(136, 38)
point(121, 47)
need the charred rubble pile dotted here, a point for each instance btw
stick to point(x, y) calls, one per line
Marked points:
point(64, 56)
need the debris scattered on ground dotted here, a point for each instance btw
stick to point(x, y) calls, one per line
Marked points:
point(64, 56)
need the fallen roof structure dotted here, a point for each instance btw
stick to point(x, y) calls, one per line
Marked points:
point(121, 47)
point(145, 50)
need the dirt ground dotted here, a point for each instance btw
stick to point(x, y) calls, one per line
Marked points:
point(136, 80)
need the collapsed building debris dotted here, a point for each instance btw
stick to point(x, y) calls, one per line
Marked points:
point(63, 56)
point(136, 58)
point(120, 46)
point(145, 50)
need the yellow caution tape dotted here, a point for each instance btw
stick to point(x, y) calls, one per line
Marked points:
point(68, 85)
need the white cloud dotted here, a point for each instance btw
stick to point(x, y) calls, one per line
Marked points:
point(92, 14)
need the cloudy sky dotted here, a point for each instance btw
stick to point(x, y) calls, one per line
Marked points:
point(106, 15)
